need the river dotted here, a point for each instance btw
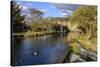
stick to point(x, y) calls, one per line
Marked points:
point(48, 49)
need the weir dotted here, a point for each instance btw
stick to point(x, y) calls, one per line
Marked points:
point(62, 21)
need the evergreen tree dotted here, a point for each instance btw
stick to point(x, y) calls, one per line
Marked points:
point(16, 17)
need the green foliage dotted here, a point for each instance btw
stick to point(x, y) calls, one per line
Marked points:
point(84, 14)
point(17, 18)
point(85, 18)
point(74, 48)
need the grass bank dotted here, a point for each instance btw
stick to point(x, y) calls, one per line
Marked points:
point(74, 38)
point(34, 33)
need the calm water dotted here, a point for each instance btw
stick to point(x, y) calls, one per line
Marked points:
point(40, 50)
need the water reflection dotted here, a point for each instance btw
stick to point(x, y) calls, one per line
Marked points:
point(49, 49)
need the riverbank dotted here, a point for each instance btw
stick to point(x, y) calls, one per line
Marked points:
point(81, 48)
point(86, 44)
point(35, 34)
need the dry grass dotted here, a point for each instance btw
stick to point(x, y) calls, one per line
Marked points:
point(87, 44)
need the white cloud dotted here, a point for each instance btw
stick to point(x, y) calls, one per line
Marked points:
point(69, 11)
point(25, 11)
point(24, 8)
point(43, 10)
point(64, 14)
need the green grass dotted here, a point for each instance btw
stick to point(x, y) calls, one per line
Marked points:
point(74, 48)
point(18, 34)
point(33, 33)
point(87, 44)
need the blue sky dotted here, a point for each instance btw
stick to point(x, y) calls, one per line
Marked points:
point(49, 9)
